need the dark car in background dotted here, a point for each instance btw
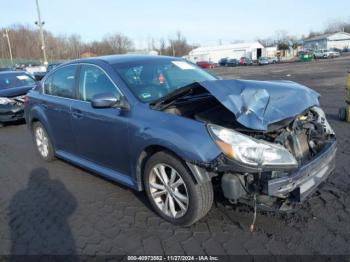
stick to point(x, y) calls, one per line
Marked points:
point(232, 62)
point(228, 62)
point(14, 86)
point(164, 126)
point(223, 61)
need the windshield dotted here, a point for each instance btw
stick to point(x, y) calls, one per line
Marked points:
point(151, 80)
point(15, 80)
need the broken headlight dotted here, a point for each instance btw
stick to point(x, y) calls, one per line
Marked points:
point(249, 150)
point(5, 101)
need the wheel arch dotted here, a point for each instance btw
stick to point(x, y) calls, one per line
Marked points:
point(37, 115)
point(199, 175)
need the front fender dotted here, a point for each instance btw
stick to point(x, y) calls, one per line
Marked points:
point(186, 138)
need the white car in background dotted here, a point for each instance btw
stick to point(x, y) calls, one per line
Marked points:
point(272, 60)
point(324, 53)
point(333, 53)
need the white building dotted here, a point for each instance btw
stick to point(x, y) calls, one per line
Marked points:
point(271, 51)
point(215, 53)
point(338, 40)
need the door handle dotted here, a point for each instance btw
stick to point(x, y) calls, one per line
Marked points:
point(77, 113)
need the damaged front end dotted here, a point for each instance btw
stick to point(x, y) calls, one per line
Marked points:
point(277, 146)
point(300, 157)
point(11, 109)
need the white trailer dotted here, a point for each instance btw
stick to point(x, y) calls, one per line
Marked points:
point(215, 53)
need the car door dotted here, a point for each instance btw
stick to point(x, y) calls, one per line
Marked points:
point(59, 90)
point(101, 134)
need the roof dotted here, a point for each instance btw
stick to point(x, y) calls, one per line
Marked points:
point(325, 36)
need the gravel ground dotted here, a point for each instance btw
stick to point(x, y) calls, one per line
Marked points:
point(57, 208)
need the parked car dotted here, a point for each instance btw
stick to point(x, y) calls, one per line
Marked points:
point(245, 61)
point(14, 86)
point(232, 62)
point(272, 60)
point(324, 53)
point(223, 61)
point(164, 126)
point(263, 61)
point(333, 53)
point(336, 50)
point(321, 53)
point(205, 64)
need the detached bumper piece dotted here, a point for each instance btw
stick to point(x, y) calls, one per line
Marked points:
point(304, 181)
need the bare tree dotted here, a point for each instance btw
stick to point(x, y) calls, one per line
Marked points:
point(119, 43)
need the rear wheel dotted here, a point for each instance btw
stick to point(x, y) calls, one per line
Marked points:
point(1, 125)
point(172, 191)
point(43, 142)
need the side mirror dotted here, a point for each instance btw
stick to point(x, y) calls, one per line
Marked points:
point(108, 100)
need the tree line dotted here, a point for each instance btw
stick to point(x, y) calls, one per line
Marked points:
point(26, 45)
point(284, 40)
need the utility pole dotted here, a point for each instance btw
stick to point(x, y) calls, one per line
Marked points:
point(173, 47)
point(9, 44)
point(40, 24)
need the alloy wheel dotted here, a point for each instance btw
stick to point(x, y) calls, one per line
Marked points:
point(42, 141)
point(168, 190)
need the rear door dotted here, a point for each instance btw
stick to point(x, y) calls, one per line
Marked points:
point(101, 134)
point(59, 91)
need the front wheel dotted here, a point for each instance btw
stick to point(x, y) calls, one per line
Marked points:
point(172, 191)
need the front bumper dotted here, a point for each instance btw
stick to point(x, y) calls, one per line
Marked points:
point(304, 181)
point(11, 112)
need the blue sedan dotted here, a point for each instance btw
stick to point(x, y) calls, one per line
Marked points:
point(165, 126)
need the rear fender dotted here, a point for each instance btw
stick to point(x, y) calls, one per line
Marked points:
point(37, 114)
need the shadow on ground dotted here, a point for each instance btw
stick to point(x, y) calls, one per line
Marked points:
point(38, 217)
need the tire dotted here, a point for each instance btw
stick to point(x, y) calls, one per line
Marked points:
point(1, 125)
point(342, 114)
point(43, 142)
point(199, 196)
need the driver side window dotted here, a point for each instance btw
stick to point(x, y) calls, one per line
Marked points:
point(94, 81)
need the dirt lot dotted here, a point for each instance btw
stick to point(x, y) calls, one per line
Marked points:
point(60, 209)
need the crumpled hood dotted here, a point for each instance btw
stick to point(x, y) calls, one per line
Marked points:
point(257, 104)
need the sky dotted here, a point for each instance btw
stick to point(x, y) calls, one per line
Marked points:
point(204, 22)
